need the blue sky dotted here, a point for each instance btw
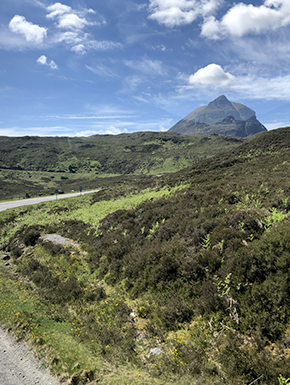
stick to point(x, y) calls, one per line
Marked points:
point(85, 67)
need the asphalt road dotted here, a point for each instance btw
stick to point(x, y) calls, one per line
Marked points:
point(34, 201)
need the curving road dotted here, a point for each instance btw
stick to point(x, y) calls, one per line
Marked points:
point(34, 201)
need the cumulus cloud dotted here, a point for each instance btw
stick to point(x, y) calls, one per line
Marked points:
point(66, 17)
point(72, 21)
point(69, 37)
point(213, 74)
point(212, 29)
point(213, 77)
point(32, 32)
point(243, 19)
point(43, 61)
point(52, 65)
point(178, 12)
point(72, 25)
point(57, 9)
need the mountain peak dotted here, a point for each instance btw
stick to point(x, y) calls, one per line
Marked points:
point(219, 109)
point(221, 116)
point(221, 101)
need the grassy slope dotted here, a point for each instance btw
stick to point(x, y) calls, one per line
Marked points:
point(204, 268)
point(36, 165)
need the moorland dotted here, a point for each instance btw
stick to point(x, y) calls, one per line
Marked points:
point(33, 166)
point(180, 277)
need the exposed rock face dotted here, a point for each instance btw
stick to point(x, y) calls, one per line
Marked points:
point(220, 117)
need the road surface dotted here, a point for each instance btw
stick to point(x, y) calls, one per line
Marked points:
point(18, 366)
point(34, 201)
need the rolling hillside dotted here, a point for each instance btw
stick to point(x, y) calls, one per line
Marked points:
point(182, 281)
point(37, 165)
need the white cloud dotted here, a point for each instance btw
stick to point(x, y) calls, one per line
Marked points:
point(9, 40)
point(131, 83)
point(111, 130)
point(268, 88)
point(57, 10)
point(213, 77)
point(153, 67)
point(68, 37)
point(211, 28)
point(243, 19)
point(275, 125)
point(52, 65)
point(87, 133)
point(213, 74)
point(178, 12)
point(103, 45)
point(102, 70)
point(32, 32)
point(81, 42)
point(67, 18)
point(72, 21)
point(43, 61)
point(79, 49)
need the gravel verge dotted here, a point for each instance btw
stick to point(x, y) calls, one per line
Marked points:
point(18, 366)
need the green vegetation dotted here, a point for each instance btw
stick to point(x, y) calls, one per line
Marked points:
point(31, 166)
point(178, 279)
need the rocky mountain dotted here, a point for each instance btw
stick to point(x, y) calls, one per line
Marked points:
point(221, 117)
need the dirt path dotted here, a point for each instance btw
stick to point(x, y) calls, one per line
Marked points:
point(18, 366)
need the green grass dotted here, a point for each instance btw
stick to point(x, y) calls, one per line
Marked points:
point(35, 166)
point(197, 266)
point(55, 212)
point(54, 337)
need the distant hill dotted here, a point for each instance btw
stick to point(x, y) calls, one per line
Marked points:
point(220, 117)
point(136, 153)
point(36, 165)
